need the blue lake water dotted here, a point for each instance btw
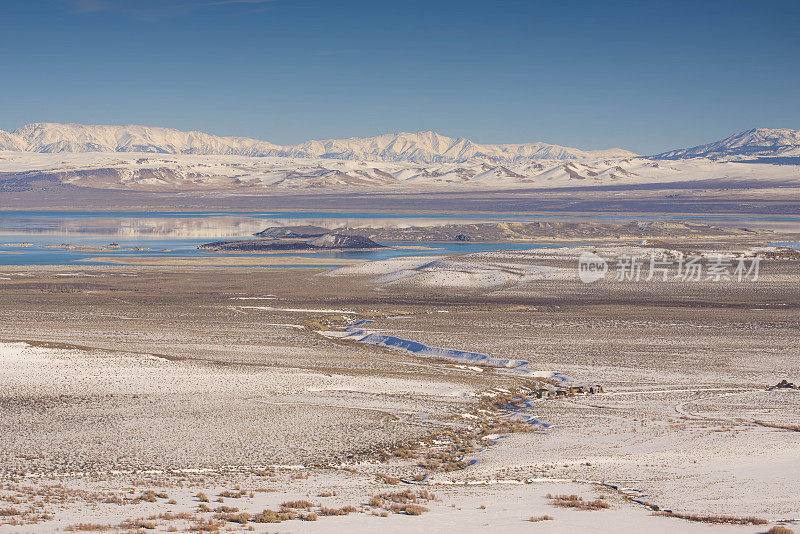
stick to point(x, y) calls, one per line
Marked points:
point(37, 255)
point(180, 232)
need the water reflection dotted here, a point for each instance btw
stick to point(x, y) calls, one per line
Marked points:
point(201, 225)
point(178, 233)
point(209, 226)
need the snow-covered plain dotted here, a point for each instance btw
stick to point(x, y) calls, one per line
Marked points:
point(225, 393)
point(159, 172)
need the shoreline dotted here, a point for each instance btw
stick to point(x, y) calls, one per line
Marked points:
point(194, 261)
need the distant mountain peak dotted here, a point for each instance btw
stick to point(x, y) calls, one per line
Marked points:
point(755, 142)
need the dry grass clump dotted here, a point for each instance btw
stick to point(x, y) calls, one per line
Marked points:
point(202, 497)
point(206, 525)
point(138, 524)
point(8, 512)
point(408, 509)
point(271, 516)
point(780, 529)
point(300, 505)
point(406, 496)
point(327, 494)
point(169, 516)
point(233, 517)
point(444, 461)
point(344, 510)
point(286, 514)
point(574, 501)
point(715, 519)
point(225, 509)
point(87, 527)
point(405, 452)
point(387, 479)
point(232, 494)
point(539, 518)
point(402, 502)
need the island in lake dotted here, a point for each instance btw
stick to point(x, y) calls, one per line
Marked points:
point(291, 239)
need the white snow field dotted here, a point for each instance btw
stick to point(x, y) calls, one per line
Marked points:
point(486, 272)
point(139, 389)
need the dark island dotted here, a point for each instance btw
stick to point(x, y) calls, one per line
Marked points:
point(290, 241)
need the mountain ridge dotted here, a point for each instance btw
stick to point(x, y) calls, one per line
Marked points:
point(755, 142)
point(419, 147)
point(423, 147)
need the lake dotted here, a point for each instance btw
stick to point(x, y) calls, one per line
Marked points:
point(178, 233)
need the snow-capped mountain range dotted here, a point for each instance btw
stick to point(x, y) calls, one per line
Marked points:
point(763, 142)
point(419, 147)
point(162, 159)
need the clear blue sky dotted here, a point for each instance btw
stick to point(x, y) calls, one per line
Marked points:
point(644, 75)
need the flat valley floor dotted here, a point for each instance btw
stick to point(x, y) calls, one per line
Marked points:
point(204, 399)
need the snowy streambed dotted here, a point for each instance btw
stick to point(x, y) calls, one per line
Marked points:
point(357, 332)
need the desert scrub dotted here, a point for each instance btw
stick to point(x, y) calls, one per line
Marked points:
point(408, 509)
point(136, 524)
point(405, 452)
point(779, 529)
point(169, 516)
point(225, 509)
point(202, 497)
point(539, 518)
point(233, 517)
point(402, 502)
point(344, 510)
point(715, 519)
point(87, 527)
point(206, 525)
point(302, 505)
point(271, 516)
point(574, 501)
point(407, 496)
point(386, 479)
point(152, 496)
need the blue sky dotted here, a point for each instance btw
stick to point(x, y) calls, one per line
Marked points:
point(643, 75)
